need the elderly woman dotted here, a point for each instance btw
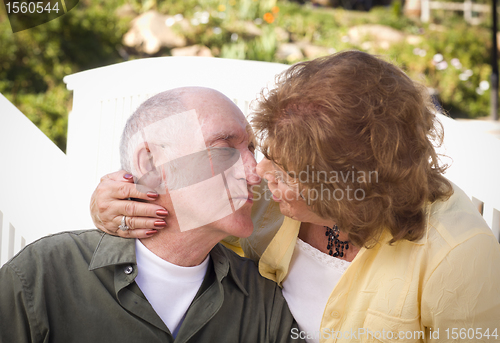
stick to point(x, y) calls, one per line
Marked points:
point(372, 243)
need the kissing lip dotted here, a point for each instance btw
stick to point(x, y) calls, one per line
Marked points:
point(275, 198)
point(248, 198)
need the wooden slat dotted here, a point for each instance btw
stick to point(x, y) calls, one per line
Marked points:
point(1, 235)
point(495, 226)
point(12, 240)
point(479, 204)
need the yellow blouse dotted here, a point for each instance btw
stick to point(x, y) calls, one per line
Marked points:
point(444, 287)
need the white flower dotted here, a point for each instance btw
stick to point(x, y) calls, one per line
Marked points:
point(468, 72)
point(170, 21)
point(234, 37)
point(195, 22)
point(437, 58)
point(205, 16)
point(217, 30)
point(484, 85)
point(456, 63)
point(463, 77)
point(479, 91)
point(442, 65)
point(178, 17)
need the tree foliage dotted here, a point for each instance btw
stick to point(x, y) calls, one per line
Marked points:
point(34, 62)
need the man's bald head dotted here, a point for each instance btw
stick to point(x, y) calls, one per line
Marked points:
point(163, 105)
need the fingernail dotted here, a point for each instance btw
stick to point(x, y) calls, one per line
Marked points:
point(162, 213)
point(128, 176)
point(152, 195)
point(151, 232)
point(160, 223)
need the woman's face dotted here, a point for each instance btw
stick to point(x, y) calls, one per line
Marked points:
point(285, 191)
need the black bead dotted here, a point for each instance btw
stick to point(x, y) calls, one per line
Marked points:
point(335, 242)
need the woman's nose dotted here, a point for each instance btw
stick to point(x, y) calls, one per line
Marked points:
point(263, 169)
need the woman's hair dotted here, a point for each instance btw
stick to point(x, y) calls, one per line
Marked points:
point(358, 135)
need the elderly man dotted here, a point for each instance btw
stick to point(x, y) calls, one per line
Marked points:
point(194, 147)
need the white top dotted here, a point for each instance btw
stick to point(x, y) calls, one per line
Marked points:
point(169, 288)
point(311, 277)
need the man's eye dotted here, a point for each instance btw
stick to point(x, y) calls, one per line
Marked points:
point(279, 177)
point(223, 153)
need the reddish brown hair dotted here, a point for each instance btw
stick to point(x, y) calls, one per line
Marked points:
point(353, 112)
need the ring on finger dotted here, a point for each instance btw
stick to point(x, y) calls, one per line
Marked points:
point(123, 225)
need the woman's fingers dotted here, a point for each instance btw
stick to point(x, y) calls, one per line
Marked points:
point(140, 223)
point(120, 175)
point(125, 190)
point(109, 203)
point(120, 185)
point(139, 227)
point(131, 208)
point(139, 215)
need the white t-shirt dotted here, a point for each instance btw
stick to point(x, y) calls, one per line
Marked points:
point(311, 277)
point(169, 288)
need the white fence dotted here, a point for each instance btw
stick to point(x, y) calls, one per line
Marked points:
point(467, 7)
point(33, 182)
point(44, 191)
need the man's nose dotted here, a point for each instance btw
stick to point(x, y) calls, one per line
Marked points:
point(250, 169)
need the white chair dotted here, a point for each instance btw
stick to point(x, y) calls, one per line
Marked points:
point(44, 191)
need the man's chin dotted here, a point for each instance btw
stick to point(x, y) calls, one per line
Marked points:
point(239, 203)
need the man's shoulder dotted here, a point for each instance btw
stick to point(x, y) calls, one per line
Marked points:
point(245, 271)
point(57, 248)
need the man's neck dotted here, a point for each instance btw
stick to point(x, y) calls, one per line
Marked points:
point(186, 249)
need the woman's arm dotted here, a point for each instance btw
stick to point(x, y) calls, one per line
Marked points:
point(110, 202)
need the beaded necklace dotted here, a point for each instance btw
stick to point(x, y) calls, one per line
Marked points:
point(334, 242)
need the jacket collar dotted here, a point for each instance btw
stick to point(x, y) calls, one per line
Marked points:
point(112, 250)
point(225, 264)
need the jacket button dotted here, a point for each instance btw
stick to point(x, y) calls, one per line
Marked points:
point(128, 270)
point(335, 314)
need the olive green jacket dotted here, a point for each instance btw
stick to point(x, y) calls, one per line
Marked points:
point(79, 287)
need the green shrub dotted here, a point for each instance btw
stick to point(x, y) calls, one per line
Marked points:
point(34, 62)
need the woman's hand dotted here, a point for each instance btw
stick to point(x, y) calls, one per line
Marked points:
point(109, 203)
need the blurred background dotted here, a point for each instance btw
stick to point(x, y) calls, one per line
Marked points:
point(445, 45)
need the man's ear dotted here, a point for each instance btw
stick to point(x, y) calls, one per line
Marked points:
point(143, 160)
point(148, 175)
